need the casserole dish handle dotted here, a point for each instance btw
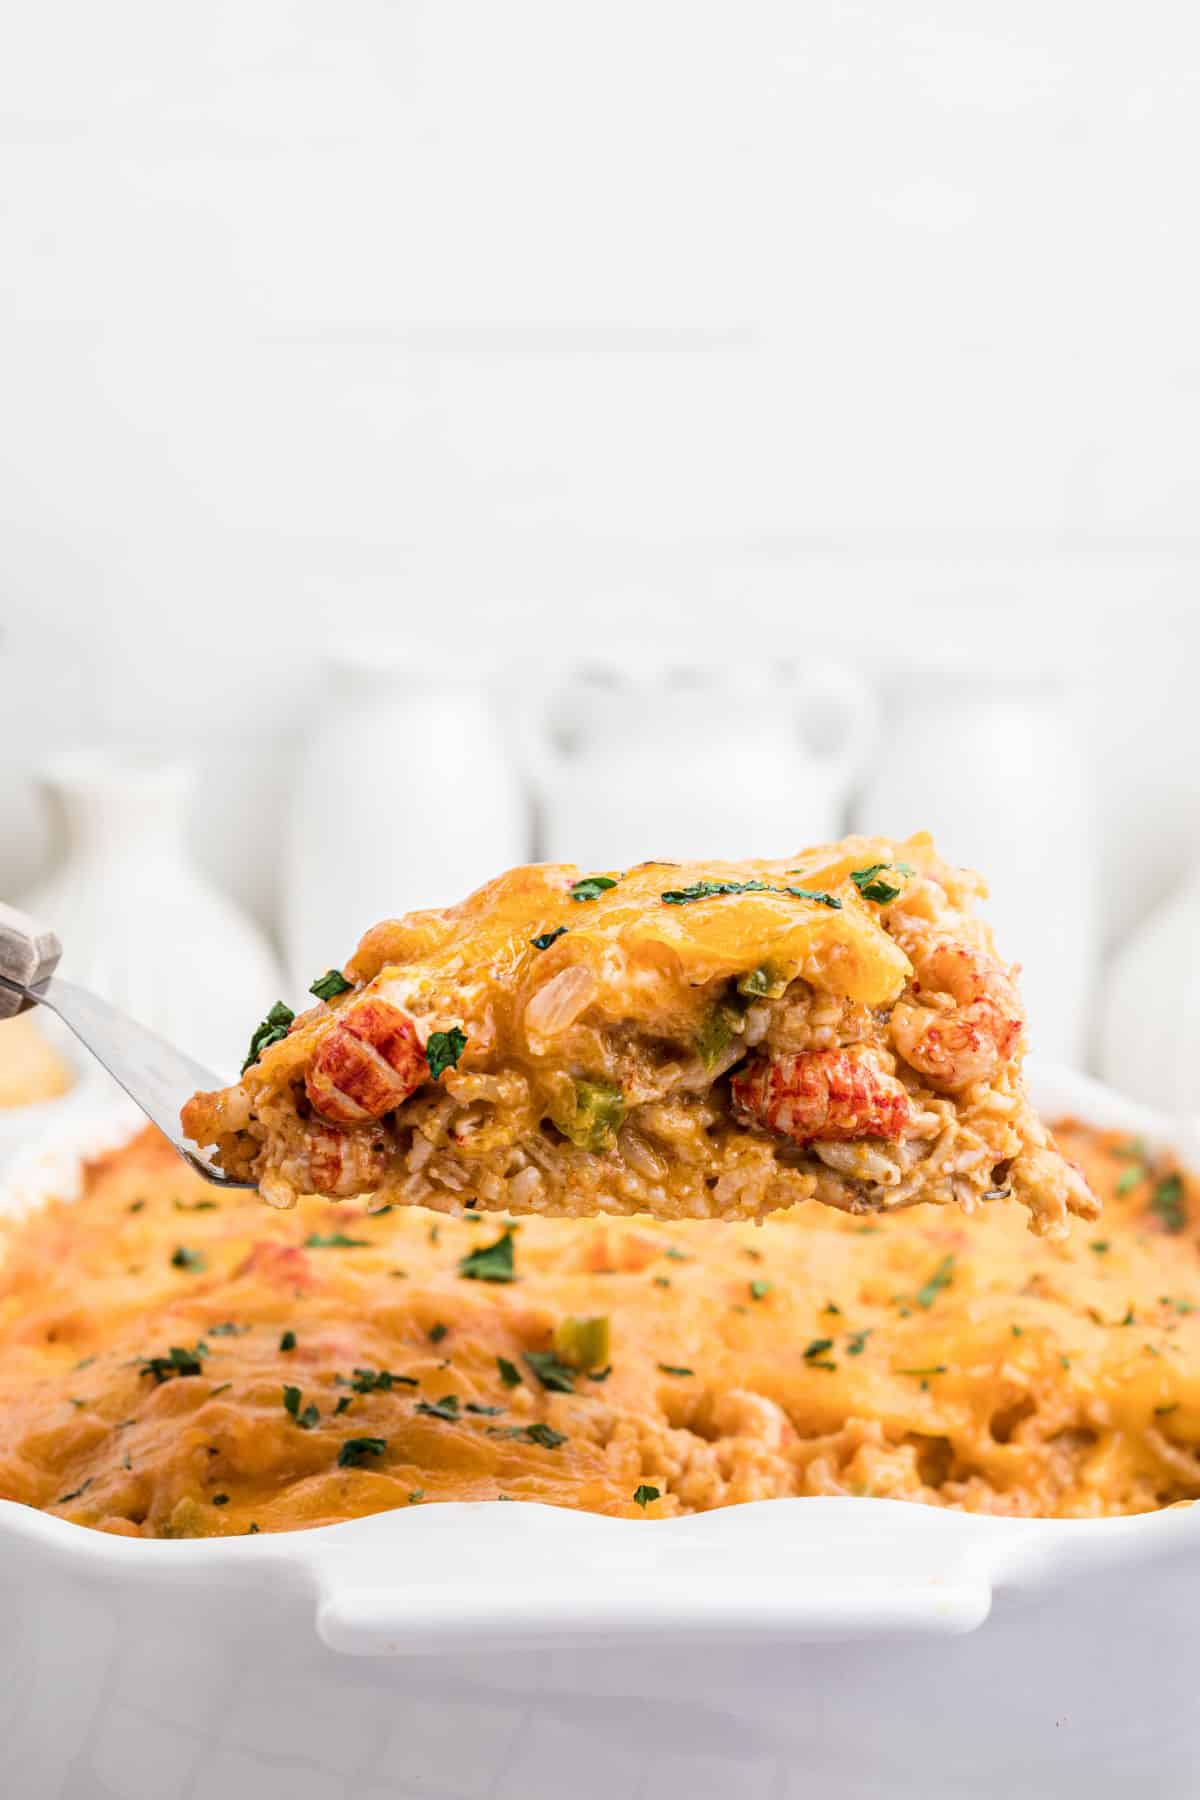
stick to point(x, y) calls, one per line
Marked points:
point(480, 1582)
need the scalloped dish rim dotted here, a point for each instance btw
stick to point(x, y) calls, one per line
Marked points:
point(1004, 1550)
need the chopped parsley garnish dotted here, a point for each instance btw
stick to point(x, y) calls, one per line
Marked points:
point(330, 985)
point(545, 1435)
point(251, 1529)
point(437, 1332)
point(74, 1494)
point(192, 1260)
point(548, 937)
point(444, 1049)
point(372, 1381)
point(273, 1028)
point(344, 1402)
point(644, 1495)
point(355, 1451)
point(557, 1377)
point(941, 1278)
point(1130, 1317)
point(674, 1255)
point(223, 1389)
point(1168, 1203)
point(194, 1205)
point(288, 1341)
point(1160, 1412)
point(491, 1262)
point(675, 1369)
point(868, 885)
point(85, 1362)
point(1130, 1177)
point(226, 1328)
point(760, 1289)
point(1100, 1246)
point(136, 1206)
point(816, 894)
point(416, 1496)
point(509, 1373)
point(662, 1281)
point(178, 1361)
point(334, 1240)
point(445, 1409)
point(600, 1374)
point(591, 887)
point(708, 890)
point(818, 1347)
point(1182, 1307)
point(220, 1499)
point(856, 1343)
point(305, 1418)
point(930, 1369)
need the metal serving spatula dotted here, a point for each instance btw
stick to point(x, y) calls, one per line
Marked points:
point(152, 1072)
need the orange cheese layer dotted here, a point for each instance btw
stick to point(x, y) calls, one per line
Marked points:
point(688, 1041)
point(175, 1361)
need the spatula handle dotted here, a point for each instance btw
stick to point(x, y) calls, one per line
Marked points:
point(29, 952)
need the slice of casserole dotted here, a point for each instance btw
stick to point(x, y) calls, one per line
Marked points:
point(712, 1040)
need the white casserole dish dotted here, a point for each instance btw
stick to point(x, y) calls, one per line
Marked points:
point(842, 1648)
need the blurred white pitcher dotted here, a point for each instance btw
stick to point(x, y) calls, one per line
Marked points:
point(690, 763)
point(992, 761)
point(405, 796)
point(139, 923)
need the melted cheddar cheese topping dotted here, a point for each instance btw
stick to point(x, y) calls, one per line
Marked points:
point(176, 1361)
point(716, 1040)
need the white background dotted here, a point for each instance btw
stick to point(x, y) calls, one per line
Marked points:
point(535, 330)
